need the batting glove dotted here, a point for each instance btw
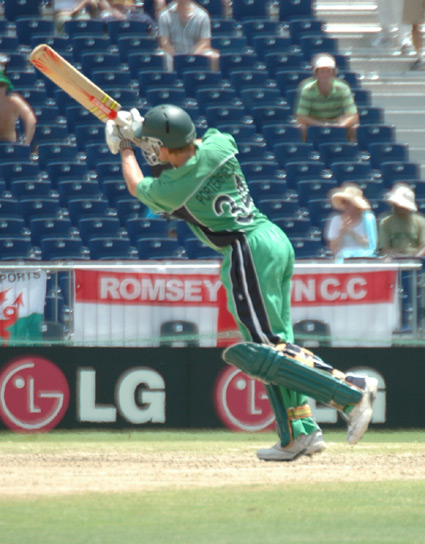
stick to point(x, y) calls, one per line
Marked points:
point(130, 123)
point(115, 139)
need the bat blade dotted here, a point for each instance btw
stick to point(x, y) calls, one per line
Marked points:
point(74, 83)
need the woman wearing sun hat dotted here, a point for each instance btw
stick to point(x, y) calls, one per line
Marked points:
point(403, 231)
point(352, 232)
point(12, 108)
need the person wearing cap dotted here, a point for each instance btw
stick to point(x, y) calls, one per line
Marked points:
point(12, 108)
point(325, 100)
point(353, 231)
point(402, 233)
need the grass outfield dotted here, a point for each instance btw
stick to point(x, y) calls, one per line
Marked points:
point(372, 493)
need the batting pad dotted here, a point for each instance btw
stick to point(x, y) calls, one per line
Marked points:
point(277, 368)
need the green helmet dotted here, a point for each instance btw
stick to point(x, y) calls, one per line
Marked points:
point(169, 124)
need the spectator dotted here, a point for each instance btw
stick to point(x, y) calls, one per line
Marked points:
point(325, 100)
point(185, 29)
point(353, 232)
point(66, 10)
point(402, 233)
point(414, 15)
point(12, 109)
point(393, 33)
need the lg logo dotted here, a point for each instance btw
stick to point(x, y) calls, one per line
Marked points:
point(34, 394)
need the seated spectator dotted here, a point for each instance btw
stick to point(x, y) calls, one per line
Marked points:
point(12, 109)
point(353, 232)
point(402, 233)
point(325, 100)
point(66, 10)
point(185, 29)
point(414, 16)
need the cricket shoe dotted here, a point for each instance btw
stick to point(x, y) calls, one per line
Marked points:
point(360, 416)
point(304, 444)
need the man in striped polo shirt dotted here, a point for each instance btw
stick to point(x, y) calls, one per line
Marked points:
point(325, 100)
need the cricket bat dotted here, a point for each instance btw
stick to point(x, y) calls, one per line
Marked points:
point(74, 83)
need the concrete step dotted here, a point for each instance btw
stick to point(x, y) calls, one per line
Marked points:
point(384, 65)
point(393, 101)
point(409, 119)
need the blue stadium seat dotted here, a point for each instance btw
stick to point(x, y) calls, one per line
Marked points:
point(225, 27)
point(339, 151)
point(294, 151)
point(61, 44)
point(321, 134)
point(119, 79)
point(22, 188)
point(14, 152)
point(10, 171)
point(319, 210)
point(109, 170)
point(418, 186)
point(290, 79)
point(253, 170)
point(371, 115)
point(265, 97)
point(195, 249)
point(136, 44)
point(275, 62)
point(77, 189)
point(267, 115)
point(399, 171)
point(351, 171)
point(118, 28)
point(290, 9)
point(61, 248)
point(35, 97)
point(159, 78)
point(251, 79)
point(114, 189)
point(49, 115)
point(8, 44)
point(95, 227)
point(307, 247)
point(9, 206)
point(298, 170)
point(27, 79)
point(2, 186)
point(263, 190)
point(22, 8)
point(89, 44)
point(255, 151)
point(158, 248)
point(138, 62)
point(166, 95)
point(199, 79)
point(38, 207)
point(128, 208)
point(295, 226)
point(50, 227)
point(239, 61)
point(373, 188)
point(218, 115)
point(284, 207)
point(67, 170)
point(7, 27)
point(77, 115)
point(249, 9)
point(362, 97)
point(243, 134)
point(90, 27)
point(97, 153)
point(304, 26)
point(270, 44)
point(215, 8)
point(96, 61)
point(369, 134)
point(214, 96)
point(111, 248)
point(89, 134)
point(13, 226)
point(314, 188)
point(281, 132)
point(15, 248)
point(260, 27)
point(387, 152)
point(183, 231)
point(50, 134)
point(230, 44)
point(313, 44)
point(26, 27)
point(147, 228)
point(86, 207)
point(63, 152)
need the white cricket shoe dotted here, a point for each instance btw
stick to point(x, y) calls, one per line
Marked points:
point(360, 416)
point(304, 444)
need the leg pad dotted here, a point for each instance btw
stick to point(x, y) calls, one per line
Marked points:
point(275, 367)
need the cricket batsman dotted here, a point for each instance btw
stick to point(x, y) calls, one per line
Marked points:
point(206, 187)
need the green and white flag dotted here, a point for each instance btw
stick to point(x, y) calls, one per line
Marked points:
point(22, 298)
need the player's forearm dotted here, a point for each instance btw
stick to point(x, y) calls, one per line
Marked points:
point(131, 170)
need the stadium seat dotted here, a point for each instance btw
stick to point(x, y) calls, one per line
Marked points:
point(118, 28)
point(284, 207)
point(314, 188)
point(371, 115)
point(60, 248)
point(136, 44)
point(212, 96)
point(295, 226)
point(275, 62)
point(38, 207)
point(387, 152)
point(9, 206)
point(339, 151)
point(223, 26)
point(68, 170)
point(138, 62)
point(50, 227)
point(307, 247)
point(251, 79)
point(48, 115)
point(219, 115)
point(22, 8)
point(260, 27)
point(89, 44)
point(298, 170)
point(159, 78)
point(294, 9)
point(109, 170)
point(95, 61)
point(362, 97)
point(147, 228)
point(2, 186)
point(111, 248)
point(275, 134)
point(27, 27)
point(86, 207)
point(114, 189)
point(265, 97)
point(22, 188)
point(27, 79)
point(166, 95)
point(319, 210)
point(230, 44)
point(128, 208)
point(121, 80)
point(239, 61)
point(14, 152)
point(321, 134)
point(294, 151)
point(89, 134)
point(267, 115)
point(183, 231)
point(95, 227)
point(313, 44)
point(253, 170)
point(304, 26)
point(97, 153)
point(15, 248)
point(50, 134)
point(13, 226)
point(368, 134)
point(158, 248)
point(399, 171)
point(183, 62)
point(256, 151)
point(90, 27)
point(351, 171)
point(63, 152)
point(195, 249)
point(263, 190)
point(373, 188)
point(77, 189)
point(269, 44)
point(288, 79)
point(198, 79)
point(249, 9)
point(60, 44)
point(10, 171)
point(8, 44)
